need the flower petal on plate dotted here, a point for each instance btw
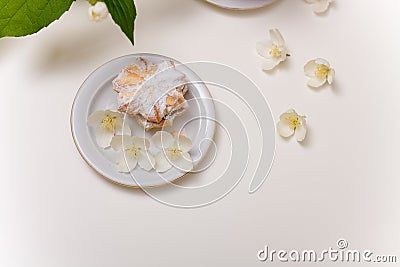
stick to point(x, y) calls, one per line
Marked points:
point(184, 143)
point(140, 142)
point(309, 68)
point(103, 136)
point(162, 164)
point(315, 82)
point(96, 117)
point(331, 75)
point(128, 141)
point(284, 130)
point(116, 114)
point(263, 48)
point(301, 132)
point(183, 163)
point(162, 139)
point(146, 161)
point(270, 63)
point(122, 127)
point(116, 142)
point(121, 141)
point(320, 6)
point(126, 164)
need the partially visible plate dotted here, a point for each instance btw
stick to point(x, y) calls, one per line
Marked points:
point(96, 93)
point(241, 4)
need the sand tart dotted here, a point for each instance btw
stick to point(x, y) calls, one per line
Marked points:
point(151, 93)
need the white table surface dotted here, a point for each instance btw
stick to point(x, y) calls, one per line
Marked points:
point(344, 182)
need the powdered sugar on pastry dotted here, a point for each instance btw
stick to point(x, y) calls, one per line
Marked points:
point(134, 75)
point(152, 93)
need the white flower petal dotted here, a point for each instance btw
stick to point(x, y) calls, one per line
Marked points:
point(183, 163)
point(309, 68)
point(162, 139)
point(301, 132)
point(315, 82)
point(140, 142)
point(126, 130)
point(183, 143)
point(321, 6)
point(290, 113)
point(122, 141)
point(125, 164)
point(322, 61)
point(103, 136)
point(127, 141)
point(284, 53)
point(96, 117)
point(331, 75)
point(284, 129)
point(263, 48)
point(116, 142)
point(162, 164)
point(146, 161)
point(122, 127)
point(302, 119)
point(111, 113)
point(270, 63)
point(277, 37)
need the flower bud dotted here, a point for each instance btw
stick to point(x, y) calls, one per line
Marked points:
point(98, 12)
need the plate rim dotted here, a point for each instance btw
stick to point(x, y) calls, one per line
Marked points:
point(212, 2)
point(90, 164)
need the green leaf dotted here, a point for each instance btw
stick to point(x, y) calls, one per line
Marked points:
point(123, 13)
point(24, 17)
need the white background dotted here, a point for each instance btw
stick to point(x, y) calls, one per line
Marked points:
point(342, 183)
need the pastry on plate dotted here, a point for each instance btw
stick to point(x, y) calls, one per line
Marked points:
point(151, 93)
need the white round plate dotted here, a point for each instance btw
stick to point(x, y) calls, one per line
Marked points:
point(241, 4)
point(96, 93)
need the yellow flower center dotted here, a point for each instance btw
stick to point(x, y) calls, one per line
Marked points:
point(174, 152)
point(109, 122)
point(321, 71)
point(275, 52)
point(293, 122)
point(133, 151)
